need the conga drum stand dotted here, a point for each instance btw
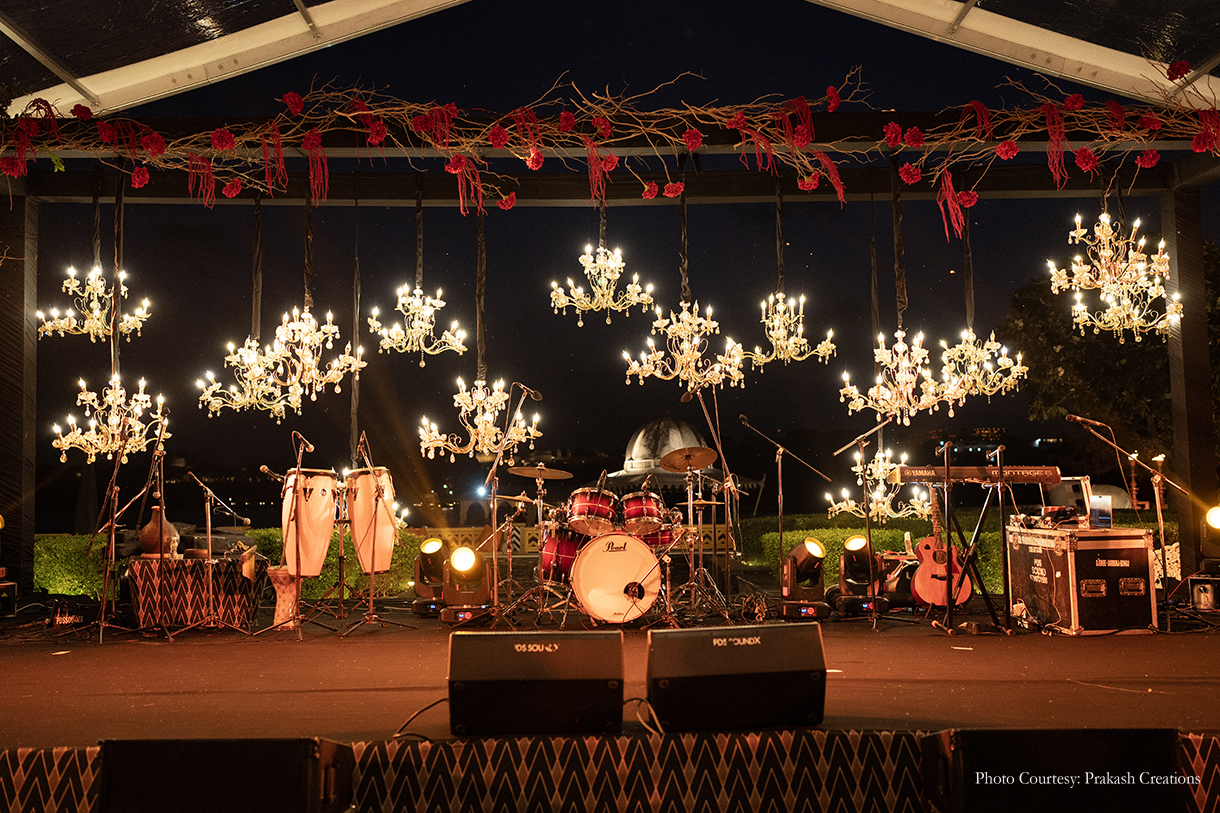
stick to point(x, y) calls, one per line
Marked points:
point(323, 604)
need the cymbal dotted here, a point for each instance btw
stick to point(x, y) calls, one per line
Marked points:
point(692, 458)
point(540, 472)
point(705, 503)
point(519, 499)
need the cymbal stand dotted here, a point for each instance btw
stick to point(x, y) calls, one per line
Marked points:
point(493, 482)
point(211, 618)
point(379, 504)
point(700, 585)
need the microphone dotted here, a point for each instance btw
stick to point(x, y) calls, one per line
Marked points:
point(532, 393)
point(1078, 419)
point(270, 473)
point(743, 420)
point(686, 396)
point(243, 520)
point(940, 449)
point(308, 446)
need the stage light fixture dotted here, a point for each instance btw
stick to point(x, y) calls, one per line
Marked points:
point(466, 590)
point(1213, 516)
point(801, 582)
point(859, 579)
point(430, 577)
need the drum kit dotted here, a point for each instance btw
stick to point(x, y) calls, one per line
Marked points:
point(608, 557)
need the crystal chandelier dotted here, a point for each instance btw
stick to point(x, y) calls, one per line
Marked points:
point(784, 323)
point(686, 340)
point(881, 498)
point(478, 410)
point(1119, 269)
point(276, 377)
point(899, 390)
point(93, 302)
point(419, 315)
point(974, 367)
point(116, 424)
point(603, 271)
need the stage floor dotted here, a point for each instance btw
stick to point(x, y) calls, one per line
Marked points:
point(73, 691)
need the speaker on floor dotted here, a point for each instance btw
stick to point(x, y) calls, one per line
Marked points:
point(205, 776)
point(535, 682)
point(760, 676)
point(1051, 769)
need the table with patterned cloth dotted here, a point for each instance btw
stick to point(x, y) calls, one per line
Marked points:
point(183, 593)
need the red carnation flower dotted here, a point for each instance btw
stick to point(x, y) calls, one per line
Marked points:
point(1147, 159)
point(1150, 121)
point(508, 202)
point(153, 144)
point(1177, 70)
point(737, 122)
point(966, 198)
point(832, 98)
point(139, 177)
point(105, 132)
point(498, 136)
point(913, 138)
point(1085, 159)
point(456, 164)
point(801, 137)
point(232, 189)
point(1204, 140)
point(222, 139)
point(1073, 102)
point(909, 174)
point(534, 162)
point(421, 123)
point(650, 191)
point(81, 112)
point(567, 122)
point(609, 162)
point(893, 134)
point(1007, 149)
point(12, 166)
point(294, 103)
point(602, 125)
point(312, 140)
point(808, 184)
point(693, 139)
point(672, 190)
point(377, 131)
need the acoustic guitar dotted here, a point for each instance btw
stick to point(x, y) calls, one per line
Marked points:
point(936, 565)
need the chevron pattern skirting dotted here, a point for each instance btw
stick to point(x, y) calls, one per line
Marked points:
point(1199, 756)
point(778, 770)
point(33, 780)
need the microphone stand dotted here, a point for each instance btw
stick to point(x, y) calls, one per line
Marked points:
point(211, 618)
point(730, 487)
point(1158, 487)
point(861, 443)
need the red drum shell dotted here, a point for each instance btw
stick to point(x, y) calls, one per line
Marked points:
point(642, 513)
point(592, 511)
point(557, 552)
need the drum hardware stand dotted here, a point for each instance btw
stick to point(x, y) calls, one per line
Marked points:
point(294, 522)
point(667, 616)
point(731, 487)
point(701, 585)
point(379, 503)
point(322, 605)
point(212, 617)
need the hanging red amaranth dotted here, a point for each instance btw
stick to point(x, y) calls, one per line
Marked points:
point(602, 125)
point(81, 112)
point(1147, 159)
point(139, 177)
point(199, 175)
point(469, 185)
point(832, 175)
point(800, 136)
point(832, 98)
point(946, 198)
point(693, 139)
point(508, 202)
point(967, 199)
point(42, 108)
point(1007, 150)
point(1056, 133)
point(232, 189)
point(497, 136)
point(1209, 128)
point(567, 122)
point(673, 190)
point(527, 127)
point(1117, 114)
point(1073, 102)
point(1086, 159)
point(27, 128)
point(982, 119)
point(1178, 70)
point(274, 171)
point(597, 170)
point(12, 166)
point(910, 174)
point(440, 122)
point(808, 184)
point(319, 171)
point(375, 129)
point(650, 191)
point(294, 103)
point(762, 144)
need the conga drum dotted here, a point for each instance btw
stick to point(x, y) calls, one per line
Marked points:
point(312, 495)
point(370, 511)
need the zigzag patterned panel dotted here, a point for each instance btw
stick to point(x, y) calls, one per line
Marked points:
point(1199, 756)
point(55, 780)
point(776, 770)
point(184, 591)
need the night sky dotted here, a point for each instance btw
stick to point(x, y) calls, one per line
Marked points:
point(195, 263)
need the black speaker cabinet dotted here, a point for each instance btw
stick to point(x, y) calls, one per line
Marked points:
point(205, 776)
point(506, 683)
point(760, 676)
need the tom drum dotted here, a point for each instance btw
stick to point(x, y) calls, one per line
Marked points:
point(643, 512)
point(592, 511)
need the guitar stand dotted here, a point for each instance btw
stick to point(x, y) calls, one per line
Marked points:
point(970, 559)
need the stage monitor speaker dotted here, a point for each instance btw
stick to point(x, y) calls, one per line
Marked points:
point(205, 776)
point(760, 676)
point(1051, 769)
point(535, 683)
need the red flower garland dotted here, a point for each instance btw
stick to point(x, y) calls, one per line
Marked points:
point(508, 202)
point(1209, 127)
point(808, 184)
point(139, 177)
point(153, 143)
point(1150, 121)
point(673, 190)
point(802, 135)
point(199, 173)
point(1086, 159)
point(105, 132)
point(602, 125)
point(534, 162)
point(319, 171)
point(967, 198)
point(294, 103)
point(913, 138)
point(1147, 159)
point(1073, 102)
point(609, 162)
point(909, 174)
point(1178, 70)
point(232, 189)
point(650, 191)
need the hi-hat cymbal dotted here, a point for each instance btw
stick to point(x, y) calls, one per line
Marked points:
point(692, 458)
point(540, 472)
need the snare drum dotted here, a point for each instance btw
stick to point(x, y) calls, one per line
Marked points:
point(313, 494)
point(658, 539)
point(642, 513)
point(616, 577)
point(557, 551)
point(370, 511)
point(592, 511)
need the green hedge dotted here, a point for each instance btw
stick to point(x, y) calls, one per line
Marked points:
point(63, 566)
